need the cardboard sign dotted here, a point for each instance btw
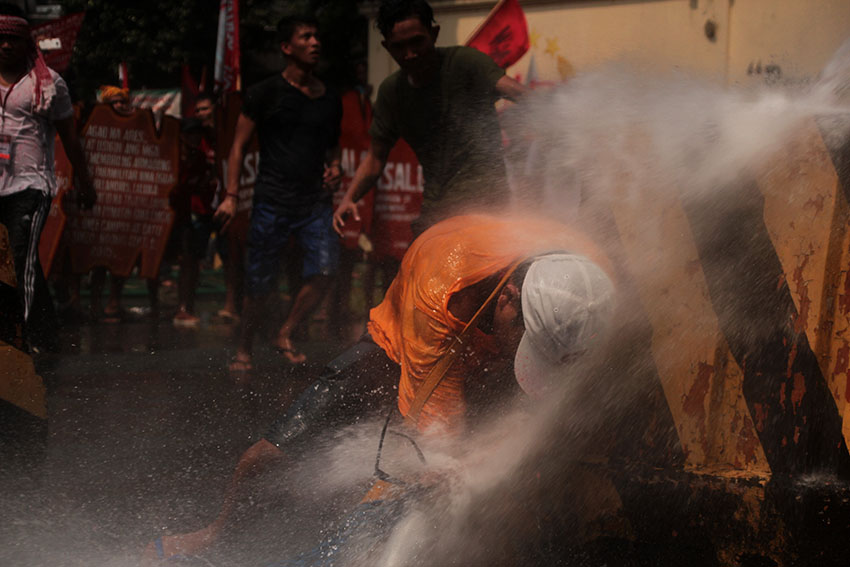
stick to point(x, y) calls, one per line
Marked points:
point(133, 170)
point(398, 201)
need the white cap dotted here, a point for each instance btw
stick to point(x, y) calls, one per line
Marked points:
point(567, 304)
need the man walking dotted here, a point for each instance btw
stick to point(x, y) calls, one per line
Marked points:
point(297, 119)
point(34, 106)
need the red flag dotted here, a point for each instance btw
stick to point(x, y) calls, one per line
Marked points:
point(227, 54)
point(503, 35)
point(57, 39)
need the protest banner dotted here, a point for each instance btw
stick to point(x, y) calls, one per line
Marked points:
point(134, 169)
point(228, 77)
point(353, 145)
point(398, 200)
point(57, 38)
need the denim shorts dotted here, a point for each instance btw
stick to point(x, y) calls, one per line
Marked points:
point(269, 235)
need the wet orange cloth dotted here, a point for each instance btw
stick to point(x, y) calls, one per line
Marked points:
point(413, 324)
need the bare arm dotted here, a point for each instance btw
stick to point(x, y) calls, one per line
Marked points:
point(86, 195)
point(227, 209)
point(364, 179)
point(511, 89)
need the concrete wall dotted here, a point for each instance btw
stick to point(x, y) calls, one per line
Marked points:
point(752, 38)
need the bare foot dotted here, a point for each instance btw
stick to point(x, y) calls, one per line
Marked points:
point(285, 347)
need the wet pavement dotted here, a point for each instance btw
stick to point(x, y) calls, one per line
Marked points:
point(145, 425)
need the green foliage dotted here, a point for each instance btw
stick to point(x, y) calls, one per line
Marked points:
point(156, 37)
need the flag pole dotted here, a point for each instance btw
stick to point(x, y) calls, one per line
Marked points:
point(218, 69)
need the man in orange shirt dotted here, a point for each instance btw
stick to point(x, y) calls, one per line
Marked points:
point(462, 308)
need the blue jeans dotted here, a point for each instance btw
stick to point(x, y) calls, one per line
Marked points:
point(269, 234)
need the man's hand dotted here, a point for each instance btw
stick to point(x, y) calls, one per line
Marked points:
point(225, 212)
point(345, 207)
point(363, 181)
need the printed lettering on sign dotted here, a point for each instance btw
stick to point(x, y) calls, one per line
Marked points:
point(134, 169)
point(398, 201)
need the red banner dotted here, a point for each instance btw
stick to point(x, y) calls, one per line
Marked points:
point(227, 53)
point(354, 143)
point(134, 170)
point(398, 201)
point(503, 35)
point(57, 54)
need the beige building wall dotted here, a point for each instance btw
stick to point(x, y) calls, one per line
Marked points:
point(724, 40)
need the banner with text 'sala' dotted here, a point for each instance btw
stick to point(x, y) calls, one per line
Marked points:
point(398, 200)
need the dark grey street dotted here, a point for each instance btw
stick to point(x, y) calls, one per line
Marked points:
point(145, 425)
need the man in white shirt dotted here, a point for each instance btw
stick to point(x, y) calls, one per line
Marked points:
point(34, 107)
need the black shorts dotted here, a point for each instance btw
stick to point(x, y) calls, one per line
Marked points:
point(361, 380)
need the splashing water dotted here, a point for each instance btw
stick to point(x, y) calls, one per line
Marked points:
point(616, 137)
point(617, 131)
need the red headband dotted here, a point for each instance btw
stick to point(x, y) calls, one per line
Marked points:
point(44, 89)
point(13, 25)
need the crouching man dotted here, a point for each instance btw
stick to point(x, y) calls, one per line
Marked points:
point(474, 294)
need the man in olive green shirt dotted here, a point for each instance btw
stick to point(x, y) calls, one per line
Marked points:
point(441, 102)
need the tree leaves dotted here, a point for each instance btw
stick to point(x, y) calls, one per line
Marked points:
point(157, 37)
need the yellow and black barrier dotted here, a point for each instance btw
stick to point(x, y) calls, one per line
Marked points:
point(741, 448)
point(20, 386)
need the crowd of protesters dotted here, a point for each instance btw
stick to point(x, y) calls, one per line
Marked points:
point(478, 284)
point(441, 103)
point(296, 118)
